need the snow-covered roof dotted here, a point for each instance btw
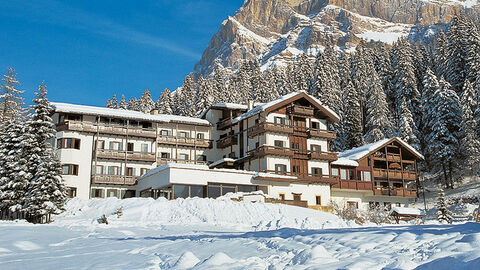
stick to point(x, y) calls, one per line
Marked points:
point(345, 162)
point(231, 106)
point(220, 161)
point(125, 114)
point(407, 211)
point(267, 105)
point(362, 151)
point(263, 174)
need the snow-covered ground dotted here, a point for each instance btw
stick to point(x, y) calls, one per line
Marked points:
point(223, 234)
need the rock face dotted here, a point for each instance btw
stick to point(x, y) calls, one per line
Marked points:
point(276, 31)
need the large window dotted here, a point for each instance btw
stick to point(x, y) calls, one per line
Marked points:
point(280, 168)
point(115, 146)
point(130, 171)
point(315, 125)
point(216, 190)
point(317, 171)
point(99, 169)
point(183, 134)
point(97, 193)
point(70, 169)
point(165, 132)
point(335, 172)
point(186, 191)
point(101, 145)
point(112, 193)
point(366, 176)
point(144, 147)
point(279, 120)
point(343, 174)
point(316, 148)
point(113, 170)
point(68, 143)
point(182, 156)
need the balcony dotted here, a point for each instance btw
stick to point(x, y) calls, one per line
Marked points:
point(120, 154)
point(301, 110)
point(271, 150)
point(227, 141)
point(105, 129)
point(269, 127)
point(394, 174)
point(401, 192)
point(353, 184)
point(323, 156)
point(114, 179)
point(183, 141)
point(163, 161)
point(320, 133)
point(224, 123)
point(393, 157)
point(281, 176)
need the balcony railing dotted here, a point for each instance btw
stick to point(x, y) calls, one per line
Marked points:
point(394, 174)
point(227, 141)
point(393, 157)
point(321, 133)
point(224, 123)
point(183, 141)
point(353, 184)
point(299, 177)
point(120, 154)
point(402, 192)
point(162, 161)
point(269, 127)
point(92, 127)
point(323, 156)
point(301, 110)
point(271, 150)
point(114, 179)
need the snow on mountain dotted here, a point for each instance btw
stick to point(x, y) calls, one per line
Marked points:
point(276, 32)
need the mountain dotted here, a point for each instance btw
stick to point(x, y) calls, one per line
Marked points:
point(276, 31)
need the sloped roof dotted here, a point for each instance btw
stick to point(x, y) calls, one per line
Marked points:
point(288, 97)
point(364, 150)
point(125, 114)
point(345, 162)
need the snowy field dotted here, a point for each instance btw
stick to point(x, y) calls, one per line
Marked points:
point(222, 234)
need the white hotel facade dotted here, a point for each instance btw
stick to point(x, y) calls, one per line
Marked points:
point(281, 148)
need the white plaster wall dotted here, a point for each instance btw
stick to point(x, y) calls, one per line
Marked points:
point(271, 117)
point(308, 192)
point(364, 197)
point(318, 164)
point(271, 138)
point(272, 160)
point(181, 150)
point(323, 144)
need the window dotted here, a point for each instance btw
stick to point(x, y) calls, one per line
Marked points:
point(144, 147)
point(318, 200)
point(111, 193)
point(334, 171)
point(130, 171)
point(279, 143)
point(69, 169)
point(72, 192)
point(201, 158)
point(295, 169)
point(352, 205)
point(351, 174)
point(68, 143)
point(279, 120)
point(297, 197)
point(143, 171)
point(113, 170)
point(97, 193)
point(201, 136)
point(183, 157)
point(280, 168)
point(115, 146)
point(165, 132)
point(130, 147)
point(183, 134)
point(101, 145)
point(315, 125)
point(343, 174)
point(366, 176)
point(165, 155)
point(316, 148)
point(99, 170)
point(317, 171)
point(281, 196)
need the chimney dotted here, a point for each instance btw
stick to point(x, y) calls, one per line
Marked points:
point(154, 112)
point(250, 104)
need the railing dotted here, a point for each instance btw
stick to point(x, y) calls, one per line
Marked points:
point(224, 123)
point(271, 150)
point(93, 127)
point(300, 177)
point(354, 184)
point(401, 192)
point(300, 110)
point(114, 179)
point(120, 154)
point(162, 161)
point(269, 127)
point(394, 174)
point(321, 133)
point(394, 157)
point(184, 141)
point(323, 155)
point(288, 202)
point(227, 141)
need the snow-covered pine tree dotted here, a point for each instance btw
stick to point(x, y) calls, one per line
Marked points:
point(219, 86)
point(146, 101)
point(469, 142)
point(11, 99)
point(303, 73)
point(443, 214)
point(204, 98)
point(270, 91)
point(46, 193)
point(352, 117)
point(440, 53)
point(113, 102)
point(430, 88)
point(164, 102)
point(122, 104)
point(406, 125)
point(377, 123)
point(243, 86)
point(187, 95)
point(134, 105)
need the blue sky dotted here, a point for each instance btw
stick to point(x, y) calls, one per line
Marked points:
point(87, 50)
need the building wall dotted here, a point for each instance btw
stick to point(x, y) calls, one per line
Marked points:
point(322, 142)
point(364, 197)
point(273, 160)
point(308, 192)
point(318, 164)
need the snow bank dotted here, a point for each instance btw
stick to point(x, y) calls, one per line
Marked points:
point(211, 212)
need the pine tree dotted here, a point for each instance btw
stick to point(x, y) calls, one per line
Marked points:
point(219, 86)
point(122, 104)
point(134, 105)
point(406, 125)
point(430, 88)
point(46, 193)
point(352, 119)
point(146, 102)
point(112, 103)
point(164, 103)
point(443, 214)
point(377, 124)
point(186, 96)
point(303, 73)
point(205, 96)
point(469, 142)
point(11, 100)
point(243, 86)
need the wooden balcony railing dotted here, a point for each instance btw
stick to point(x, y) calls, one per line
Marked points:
point(162, 161)
point(269, 127)
point(353, 184)
point(300, 110)
point(227, 141)
point(92, 127)
point(323, 156)
point(393, 157)
point(299, 177)
point(271, 150)
point(114, 179)
point(183, 141)
point(224, 123)
point(319, 133)
point(394, 174)
point(401, 192)
point(120, 154)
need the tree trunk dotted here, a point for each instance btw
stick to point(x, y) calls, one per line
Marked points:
point(445, 174)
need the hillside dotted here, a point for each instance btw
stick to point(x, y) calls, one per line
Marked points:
point(275, 31)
